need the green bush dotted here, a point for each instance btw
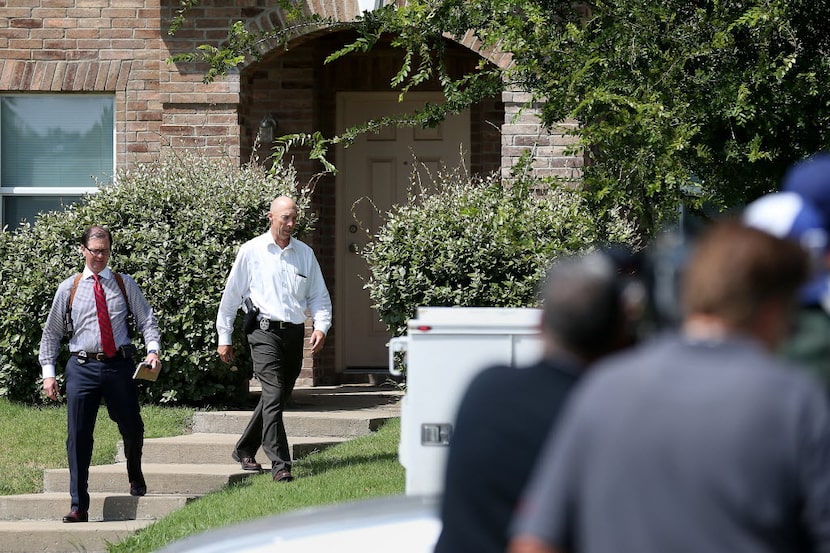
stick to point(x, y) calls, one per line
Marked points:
point(476, 242)
point(177, 224)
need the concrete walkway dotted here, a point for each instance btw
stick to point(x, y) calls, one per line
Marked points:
point(182, 468)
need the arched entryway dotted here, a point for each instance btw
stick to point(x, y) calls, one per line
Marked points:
point(300, 93)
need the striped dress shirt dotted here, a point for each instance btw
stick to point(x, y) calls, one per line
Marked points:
point(87, 335)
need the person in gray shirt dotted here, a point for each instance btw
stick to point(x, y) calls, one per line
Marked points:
point(701, 441)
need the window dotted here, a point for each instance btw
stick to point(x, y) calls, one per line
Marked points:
point(52, 148)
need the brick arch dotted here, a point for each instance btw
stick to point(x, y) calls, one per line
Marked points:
point(274, 19)
point(494, 56)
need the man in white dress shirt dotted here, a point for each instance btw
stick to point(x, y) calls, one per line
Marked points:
point(282, 278)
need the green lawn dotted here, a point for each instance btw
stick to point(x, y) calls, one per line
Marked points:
point(361, 468)
point(34, 439)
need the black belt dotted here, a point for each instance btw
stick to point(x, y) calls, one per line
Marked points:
point(268, 324)
point(97, 355)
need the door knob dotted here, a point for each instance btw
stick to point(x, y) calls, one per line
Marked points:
point(353, 247)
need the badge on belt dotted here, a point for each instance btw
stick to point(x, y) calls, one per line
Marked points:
point(264, 324)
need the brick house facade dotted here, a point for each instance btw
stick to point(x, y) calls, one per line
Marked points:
point(119, 47)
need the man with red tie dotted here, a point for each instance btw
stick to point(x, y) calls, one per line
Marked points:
point(93, 309)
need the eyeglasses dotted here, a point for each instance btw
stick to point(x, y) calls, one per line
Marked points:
point(97, 252)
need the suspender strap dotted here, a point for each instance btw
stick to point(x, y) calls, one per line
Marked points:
point(118, 279)
point(120, 282)
point(72, 292)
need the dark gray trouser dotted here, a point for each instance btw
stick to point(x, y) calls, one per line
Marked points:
point(277, 357)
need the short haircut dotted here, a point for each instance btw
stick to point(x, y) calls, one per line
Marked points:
point(582, 304)
point(733, 270)
point(95, 231)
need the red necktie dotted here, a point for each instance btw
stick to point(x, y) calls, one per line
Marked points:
point(107, 341)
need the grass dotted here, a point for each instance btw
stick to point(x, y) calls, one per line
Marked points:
point(34, 439)
point(360, 468)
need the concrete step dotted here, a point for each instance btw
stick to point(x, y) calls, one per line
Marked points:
point(102, 506)
point(170, 478)
point(23, 536)
point(337, 424)
point(321, 416)
point(213, 448)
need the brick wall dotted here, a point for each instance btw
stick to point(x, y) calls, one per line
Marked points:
point(522, 131)
point(116, 46)
point(120, 47)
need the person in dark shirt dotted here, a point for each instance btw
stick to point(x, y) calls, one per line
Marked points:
point(506, 412)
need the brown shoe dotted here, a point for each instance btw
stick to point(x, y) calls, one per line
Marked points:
point(283, 475)
point(76, 516)
point(247, 463)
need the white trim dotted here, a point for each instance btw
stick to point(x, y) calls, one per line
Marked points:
point(10, 193)
point(46, 190)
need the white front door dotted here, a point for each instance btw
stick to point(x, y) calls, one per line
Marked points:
point(375, 173)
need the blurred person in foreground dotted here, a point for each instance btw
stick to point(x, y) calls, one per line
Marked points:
point(790, 215)
point(809, 179)
point(506, 412)
point(699, 441)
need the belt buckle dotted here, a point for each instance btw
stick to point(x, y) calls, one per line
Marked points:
point(264, 324)
point(100, 356)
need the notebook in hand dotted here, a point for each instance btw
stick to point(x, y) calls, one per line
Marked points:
point(144, 372)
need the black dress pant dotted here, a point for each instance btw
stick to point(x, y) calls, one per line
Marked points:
point(86, 385)
point(277, 356)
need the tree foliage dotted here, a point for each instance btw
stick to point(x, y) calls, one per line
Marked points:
point(718, 96)
point(177, 224)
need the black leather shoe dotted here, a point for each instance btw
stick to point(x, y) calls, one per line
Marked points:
point(247, 463)
point(283, 475)
point(138, 488)
point(76, 516)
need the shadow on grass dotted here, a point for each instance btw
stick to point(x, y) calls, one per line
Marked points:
point(314, 465)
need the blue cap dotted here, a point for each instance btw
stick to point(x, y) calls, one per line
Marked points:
point(811, 179)
point(789, 215)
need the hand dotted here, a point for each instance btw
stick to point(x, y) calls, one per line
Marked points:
point(153, 360)
point(50, 387)
point(225, 353)
point(316, 341)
